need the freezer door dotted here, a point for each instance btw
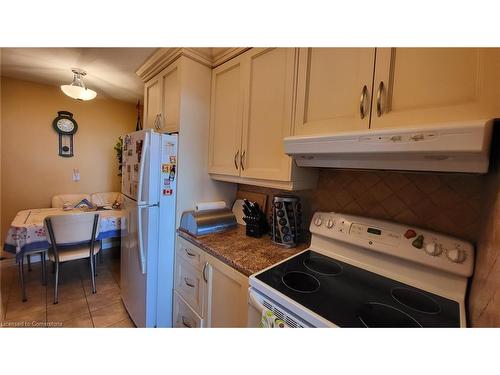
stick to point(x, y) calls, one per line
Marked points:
point(138, 263)
point(141, 167)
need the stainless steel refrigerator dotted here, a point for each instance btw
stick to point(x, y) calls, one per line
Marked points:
point(149, 180)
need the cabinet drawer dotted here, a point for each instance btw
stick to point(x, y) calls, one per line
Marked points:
point(184, 316)
point(189, 253)
point(189, 284)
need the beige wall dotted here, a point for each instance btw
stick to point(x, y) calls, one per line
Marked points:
point(1, 232)
point(32, 171)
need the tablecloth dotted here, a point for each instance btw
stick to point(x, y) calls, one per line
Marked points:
point(27, 234)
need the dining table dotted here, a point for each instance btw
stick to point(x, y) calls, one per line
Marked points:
point(27, 236)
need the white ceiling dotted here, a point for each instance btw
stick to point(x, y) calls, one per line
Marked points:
point(110, 71)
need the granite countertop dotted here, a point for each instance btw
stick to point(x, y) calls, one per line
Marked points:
point(246, 254)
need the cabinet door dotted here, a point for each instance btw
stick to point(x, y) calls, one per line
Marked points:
point(226, 119)
point(169, 119)
point(268, 102)
point(227, 295)
point(334, 89)
point(421, 86)
point(152, 103)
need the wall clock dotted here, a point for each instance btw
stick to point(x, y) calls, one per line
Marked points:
point(65, 125)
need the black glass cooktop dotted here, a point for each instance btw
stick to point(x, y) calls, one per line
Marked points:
point(350, 296)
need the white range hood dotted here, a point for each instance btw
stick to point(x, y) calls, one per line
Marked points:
point(451, 147)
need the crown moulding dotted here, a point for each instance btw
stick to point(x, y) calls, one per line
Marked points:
point(163, 57)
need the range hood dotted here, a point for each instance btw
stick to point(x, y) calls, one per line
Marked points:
point(450, 147)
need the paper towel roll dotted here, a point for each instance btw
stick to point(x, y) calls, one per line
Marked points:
point(204, 206)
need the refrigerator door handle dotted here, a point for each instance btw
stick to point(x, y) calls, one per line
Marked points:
point(145, 150)
point(142, 256)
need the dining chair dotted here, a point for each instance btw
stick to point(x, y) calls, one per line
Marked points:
point(58, 201)
point(73, 237)
point(20, 262)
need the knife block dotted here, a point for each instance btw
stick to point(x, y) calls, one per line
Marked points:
point(256, 228)
point(255, 219)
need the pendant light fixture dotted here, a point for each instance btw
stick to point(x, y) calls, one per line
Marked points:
point(77, 89)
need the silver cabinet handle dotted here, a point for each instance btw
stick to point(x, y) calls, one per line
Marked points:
point(189, 254)
point(204, 269)
point(188, 283)
point(185, 324)
point(155, 122)
point(236, 158)
point(362, 100)
point(242, 160)
point(380, 110)
point(160, 121)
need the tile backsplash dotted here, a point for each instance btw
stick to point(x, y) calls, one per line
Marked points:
point(484, 296)
point(446, 203)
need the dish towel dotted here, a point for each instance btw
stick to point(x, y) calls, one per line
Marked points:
point(269, 320)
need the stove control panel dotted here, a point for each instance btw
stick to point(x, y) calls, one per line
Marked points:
point(418, 245)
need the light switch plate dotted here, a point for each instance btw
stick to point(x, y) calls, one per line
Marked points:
point(76, 174)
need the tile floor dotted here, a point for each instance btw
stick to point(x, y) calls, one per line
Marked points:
point(77, 306)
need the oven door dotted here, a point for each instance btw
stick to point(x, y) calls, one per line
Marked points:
point(258, 303)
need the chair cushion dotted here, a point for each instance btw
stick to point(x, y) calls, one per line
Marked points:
point(105, 199)
point(77, 252)
point(72, 199)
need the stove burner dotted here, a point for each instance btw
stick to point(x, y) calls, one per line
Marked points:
point(323, 266)
point(415, 300)
point(300, 282)
point(378, 315)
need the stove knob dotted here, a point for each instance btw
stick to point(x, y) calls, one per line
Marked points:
point(433, 249)
point(456, 255)
point(318, 221)
point(410, 233)
point(329, 224)
point(418, 242)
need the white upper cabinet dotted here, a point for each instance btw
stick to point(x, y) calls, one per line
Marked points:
point(226, 119)
point(268, 113)
point(419, 86)
point(252, 111)
point(334, 90)
point(152, 100)
point(169, 121)
point(162, 99)
point(411, 87)
point(422, 86)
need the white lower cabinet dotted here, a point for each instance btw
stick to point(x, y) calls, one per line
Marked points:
point(190, 284)
point(214, 295)
point(184, 316)
point(227, 295)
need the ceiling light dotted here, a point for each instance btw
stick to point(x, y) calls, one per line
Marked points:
point(77, 89)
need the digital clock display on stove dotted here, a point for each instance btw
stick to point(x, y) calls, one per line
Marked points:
point(374, 231)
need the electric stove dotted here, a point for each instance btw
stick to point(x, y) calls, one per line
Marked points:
point(361, 272)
